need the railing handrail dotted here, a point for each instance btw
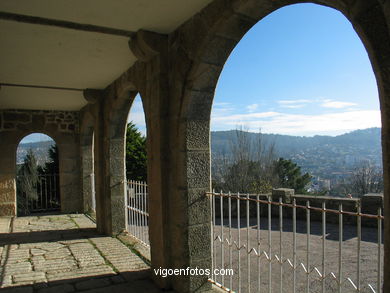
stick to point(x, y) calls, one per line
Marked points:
point(143, 183)
point(228, 229)
point(236, 196)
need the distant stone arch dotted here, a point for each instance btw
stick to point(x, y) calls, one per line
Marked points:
point(63, 127)
point(37, 191)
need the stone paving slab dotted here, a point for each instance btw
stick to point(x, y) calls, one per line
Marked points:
point(64, 253)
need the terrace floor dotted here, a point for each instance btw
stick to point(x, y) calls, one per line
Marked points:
point(64, 253)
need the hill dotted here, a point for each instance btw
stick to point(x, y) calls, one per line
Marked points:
point(40, 149)
point(328, 157)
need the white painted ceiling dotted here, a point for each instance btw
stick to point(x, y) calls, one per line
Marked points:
point(51, 56)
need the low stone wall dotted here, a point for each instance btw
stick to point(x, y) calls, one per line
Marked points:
point(369, 204)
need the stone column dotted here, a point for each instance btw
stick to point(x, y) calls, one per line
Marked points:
point(150, 49)
point(87, 160)
point(7, 176)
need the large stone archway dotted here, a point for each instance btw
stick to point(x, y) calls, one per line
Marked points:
point(198, 51)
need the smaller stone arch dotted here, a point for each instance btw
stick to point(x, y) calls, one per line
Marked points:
point(63, 127)
point(42, 194)
point(117, 106)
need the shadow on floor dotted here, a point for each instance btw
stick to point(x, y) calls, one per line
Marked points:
point(129, 282)
point(47, 236)
point(54, 280)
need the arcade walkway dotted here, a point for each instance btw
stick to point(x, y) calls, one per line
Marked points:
point(63, 253)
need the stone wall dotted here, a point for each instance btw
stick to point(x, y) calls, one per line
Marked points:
point(62, 121)
point(63, 127)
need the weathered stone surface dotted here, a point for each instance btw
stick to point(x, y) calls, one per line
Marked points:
point(17, 117)
point(234, 28)
point(198, 169)
point(199, 105)
point(219, 49)
point(199, 211)
point(61, 265)
point(199, 249)
point(198, 135)
point(200, 283)
point(206, 77)
point(7, 210)
point(9, 126)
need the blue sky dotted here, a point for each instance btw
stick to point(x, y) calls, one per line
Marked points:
point(36, 137)
point(302, 70)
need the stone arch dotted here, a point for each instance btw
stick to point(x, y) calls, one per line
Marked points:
point(66, 137)
point(215, 32)
point(116, 160)
point(118, 107)
point(54, 179)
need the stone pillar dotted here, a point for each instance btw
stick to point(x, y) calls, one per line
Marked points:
point(96, 112)
point(7, 175)
point(117, 184)
point(150, 49)
point(285, 193)
point(111, 109)
point(87, 161)
point(70, 191)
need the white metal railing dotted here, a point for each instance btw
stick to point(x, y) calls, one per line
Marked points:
point(270, 249)
point(137, 211)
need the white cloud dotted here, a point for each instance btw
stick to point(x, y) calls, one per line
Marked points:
point(336, 104)
point(291, 102)
point(283, 123)
point(294, 106)
point(242, 117)
point(252, 107)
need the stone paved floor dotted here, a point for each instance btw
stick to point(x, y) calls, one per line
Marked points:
point(63, 253)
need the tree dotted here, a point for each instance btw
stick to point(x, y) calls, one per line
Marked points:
point(249, 167)
point(365, 178)
point(252, 166)
point(50, 181)
point(27, 181)
point(51, 167)
point(136, 164)
point(290, 176)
